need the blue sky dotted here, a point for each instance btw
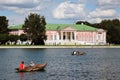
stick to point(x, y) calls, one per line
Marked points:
point(60, 11)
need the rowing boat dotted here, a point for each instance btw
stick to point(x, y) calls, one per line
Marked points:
point(36, 67)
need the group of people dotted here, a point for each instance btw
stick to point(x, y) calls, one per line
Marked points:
point(22, 65)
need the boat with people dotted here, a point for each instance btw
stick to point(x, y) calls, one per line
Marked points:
point(78, 53)
point(36, 67)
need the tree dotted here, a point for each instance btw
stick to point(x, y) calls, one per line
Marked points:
point(34, 26)
point(3, 24)
point(13, 38)
point(83, 22)
point(23, 37)
point(3, 38)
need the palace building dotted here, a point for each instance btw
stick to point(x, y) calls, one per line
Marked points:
point(69, 34)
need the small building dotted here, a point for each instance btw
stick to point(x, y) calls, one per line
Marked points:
point(71, 34)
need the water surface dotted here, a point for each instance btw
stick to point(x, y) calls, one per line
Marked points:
point(96, 64)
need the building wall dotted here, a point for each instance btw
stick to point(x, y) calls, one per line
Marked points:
point(16, 32)
point(81, 38)
point(65, 37)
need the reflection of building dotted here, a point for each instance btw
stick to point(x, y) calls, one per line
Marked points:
point(72, 34)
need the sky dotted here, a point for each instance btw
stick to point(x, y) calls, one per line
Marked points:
point(60, 11)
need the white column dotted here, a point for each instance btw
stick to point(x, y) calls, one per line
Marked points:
point(61, 35)
point(105, 37)
point(80, 36)
point(75, 36)
point(93, 37)
point(53, 37)
point(65, 35)
point(57, 35)
point(70, 36)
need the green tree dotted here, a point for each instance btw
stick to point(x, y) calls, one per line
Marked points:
point(3, 38)
point(34, 26)
point(3, 24)
point(23, 37)
point(83, 22)
point(13, 38)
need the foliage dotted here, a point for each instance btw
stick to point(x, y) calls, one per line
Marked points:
point(83, 22)
point(3, 24)
point(23, 37)
point(3, 38)
point(13, 38)
point(34, 26)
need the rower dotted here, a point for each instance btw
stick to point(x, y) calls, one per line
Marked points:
point(32, 63)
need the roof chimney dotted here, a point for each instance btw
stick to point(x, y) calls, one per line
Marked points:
point(82, 23)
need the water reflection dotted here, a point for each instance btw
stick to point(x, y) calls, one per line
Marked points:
point(22, 75)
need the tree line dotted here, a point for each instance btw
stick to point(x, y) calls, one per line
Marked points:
point(112, 28)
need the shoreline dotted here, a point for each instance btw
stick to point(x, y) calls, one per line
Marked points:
point(60, 46)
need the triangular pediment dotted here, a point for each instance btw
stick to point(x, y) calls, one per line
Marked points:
point(68, 28)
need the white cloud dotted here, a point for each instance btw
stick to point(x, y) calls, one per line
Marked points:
point(95, 20)
point(103, 2)
point(24, 6)
point(20, 3)
point(109, 4)
point(100, 14)
point(15, 20)
point(106, 9)
point(69, 10)
point(21, 8)
point(66, 11)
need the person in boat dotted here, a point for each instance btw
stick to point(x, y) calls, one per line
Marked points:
point(32, 63)
point(22, 65)
point(74, 53)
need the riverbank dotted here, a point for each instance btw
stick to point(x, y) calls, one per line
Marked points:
point(59, 46)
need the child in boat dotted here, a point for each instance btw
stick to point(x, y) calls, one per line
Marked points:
point(32, 63)
point(22, 65)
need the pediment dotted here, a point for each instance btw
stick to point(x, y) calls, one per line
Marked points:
point(68, 28)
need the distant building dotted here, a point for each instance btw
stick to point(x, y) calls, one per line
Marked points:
point(69, 34)
point(16, 30)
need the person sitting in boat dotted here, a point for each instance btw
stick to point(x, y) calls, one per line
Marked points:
point(74, 53)
point(22, 65)
point(32, 63)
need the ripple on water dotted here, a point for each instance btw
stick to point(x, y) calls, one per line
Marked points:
point(97, 64)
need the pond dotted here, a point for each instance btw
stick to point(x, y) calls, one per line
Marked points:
point(96, 64)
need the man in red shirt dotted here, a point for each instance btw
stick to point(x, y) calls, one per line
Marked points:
point(22, 66)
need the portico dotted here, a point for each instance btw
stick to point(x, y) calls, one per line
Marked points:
point(66, 35)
